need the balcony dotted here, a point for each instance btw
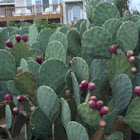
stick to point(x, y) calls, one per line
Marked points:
point(31, 12)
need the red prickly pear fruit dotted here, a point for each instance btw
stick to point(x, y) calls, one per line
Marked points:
point(92, 104)
point(24, 38)
point(99, 104)
point(137, 90)
point(18, 38)
point(130, 53)
point(9, 43)
point(15, 111)
point(104, 110)
point(91, 86)
point(20, 98)
point(8, 97)
point(39, 60)
point(113, 49)
point(84, 83)
point(69, 63)
point(102, 124)
point(68, 94)
point(93, 98)
point(131, 59)
point(133, 70)
point(82, 88)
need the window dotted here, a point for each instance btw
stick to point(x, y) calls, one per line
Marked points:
point(55, 2)
point(45, 2)
point(38, 9)
point(76, 13)
point(29, 3)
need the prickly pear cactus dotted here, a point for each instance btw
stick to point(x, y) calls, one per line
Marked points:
point(7, 66)
point(104, 11)
point(48, 102)
point(96, 48)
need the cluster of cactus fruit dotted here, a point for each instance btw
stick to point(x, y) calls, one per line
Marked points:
point(76, 83)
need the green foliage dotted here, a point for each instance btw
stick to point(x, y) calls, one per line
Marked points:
point(8, 115)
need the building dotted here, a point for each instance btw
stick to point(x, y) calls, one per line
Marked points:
point(65, 10)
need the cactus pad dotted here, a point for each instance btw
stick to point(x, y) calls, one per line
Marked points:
point(55, 50)
point(76, 131)
point(20, 50)
point(92, 44)
point(89, 117)
point(37, 120)
point(48, 102)
point(43, 38)
point(80, 68)
point(7, 66)
point(74, 42)
point(65, 113)
point(23, 65)
point(112, 26)
point(133, 115)
point(75, 89)
point(25, 82)
point(104, 11)
point(122, 97)
point(55, 71)
point(8, 115)
point(61, 38)
point(127, 36)
point(64, 30)
point(117, 65)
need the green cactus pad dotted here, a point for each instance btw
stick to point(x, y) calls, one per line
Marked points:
point(136, 20)
point(117, 65)
point(40, 122)
point(77, 25)
point(127, 36)
point(80, 68)
point(20, 50)
point(55, 50)
point(65, 113)
point(83, 27)
point(3, 38)
point(7, 66)
point(74, 42)
point(133, 115)
point(76, 131)
point(92, 44)
point(24, 30)
point(43, 38)
point(55, 71)
point(104, 11)
point(75, 89)
point(18, 123)
point(126, 15)
point(36, 45)
point(112, 26)
point(12, 89)
point(48, 102)
point(37, 20)
point(33, 66)
point(35, 53)
point(61, 38)
point(122, 97)
point(136, 80)
point(64, 30)
point(25, 82)
point(98, 69)
point(89, 117)
point(33, 34)
point(110, 120)
point(8, 115)
point(24, 65)
point(115, 136)
point(68, 79)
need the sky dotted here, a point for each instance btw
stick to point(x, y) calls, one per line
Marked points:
point(134, 5)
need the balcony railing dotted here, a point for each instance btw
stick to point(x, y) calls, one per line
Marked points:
point(31, 10)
